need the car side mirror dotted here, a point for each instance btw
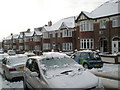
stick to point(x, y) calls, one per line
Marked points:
point(4, 60)
point(73, 56)
point(34, 74)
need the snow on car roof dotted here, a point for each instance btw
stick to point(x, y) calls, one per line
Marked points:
point(54, 55)
point(50, 55)
point(86, 51)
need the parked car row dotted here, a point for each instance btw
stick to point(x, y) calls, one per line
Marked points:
point(13, 66)
point(53, 70)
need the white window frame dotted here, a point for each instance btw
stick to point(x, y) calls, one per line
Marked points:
point(20, 47)
point(86, 26)
point(26, 39)
point(46, 46)
point(53, 34)
point(46, 35)
point(58, 34)
point(86, 43)
point(27, 47)
point(103, 24)
point(116, 22)
point(37, 47)
point(37, 38)
point(67, 33)
point(20, 40)
point(67, 46)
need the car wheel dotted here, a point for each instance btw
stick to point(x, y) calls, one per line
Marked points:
point(85, 65)
point(25, 86)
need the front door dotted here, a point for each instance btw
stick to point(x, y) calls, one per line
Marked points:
point(115, 46)
point(103, 45)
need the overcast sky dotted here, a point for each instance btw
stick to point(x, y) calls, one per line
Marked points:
point(19, 15)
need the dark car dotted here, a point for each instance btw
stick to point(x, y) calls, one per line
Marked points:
point(89, 59)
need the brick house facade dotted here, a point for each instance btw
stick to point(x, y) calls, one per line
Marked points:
point(97, 30)
point(105, 21)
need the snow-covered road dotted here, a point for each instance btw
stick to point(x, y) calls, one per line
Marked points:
point(6, 84)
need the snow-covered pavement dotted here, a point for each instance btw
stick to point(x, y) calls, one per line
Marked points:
point(109, 75)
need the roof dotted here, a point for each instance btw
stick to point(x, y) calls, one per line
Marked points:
point(38, 32)
point(15, 36)
point(8, 38)
point(29, 34)
point(107, 9)
point(69, 22)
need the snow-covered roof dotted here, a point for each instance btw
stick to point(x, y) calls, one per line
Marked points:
point(21, 36)
point(46, 28)
point(15, 36)
point(69, 22)
point(8, 38)
point(37, 32)
point(106, 9)
point(29, 34)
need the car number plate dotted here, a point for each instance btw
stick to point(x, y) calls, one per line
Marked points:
point(21, 68)
point(96, 65)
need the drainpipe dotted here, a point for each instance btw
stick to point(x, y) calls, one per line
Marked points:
point(109, 37)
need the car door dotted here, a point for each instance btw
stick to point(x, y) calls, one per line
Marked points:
point(38, 81)
point(27, 72)
point(77, 57)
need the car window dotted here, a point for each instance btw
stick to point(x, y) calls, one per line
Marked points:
point(29, 64)
point(84, 55)
point(33, 66)
point(77, 54)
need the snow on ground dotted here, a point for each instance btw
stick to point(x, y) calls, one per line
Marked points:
point(110, 69)
point(7, 84)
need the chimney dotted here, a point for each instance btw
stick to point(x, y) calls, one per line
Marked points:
point(50, 23)
point(28, 30)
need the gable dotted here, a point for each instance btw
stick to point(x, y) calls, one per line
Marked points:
point(82, 17)
point(63, 26)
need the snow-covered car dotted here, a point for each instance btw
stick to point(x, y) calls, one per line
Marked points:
point(57, 70)
point(29, 54)
point(89, 59)
point(11, 52)
point(2, 56)
point(13, 66)
point(1, 51)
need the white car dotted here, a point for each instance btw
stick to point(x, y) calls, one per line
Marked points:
point(29, 54)
point(11, 52)
point(57, 70)
point(2, 56)
point(13, 66)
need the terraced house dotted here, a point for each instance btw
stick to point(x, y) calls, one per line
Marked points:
point(100, 29)
point(96, 30)
point(60, 36)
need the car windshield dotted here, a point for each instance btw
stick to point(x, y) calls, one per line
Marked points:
point(57, 62)
point(94, 55)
